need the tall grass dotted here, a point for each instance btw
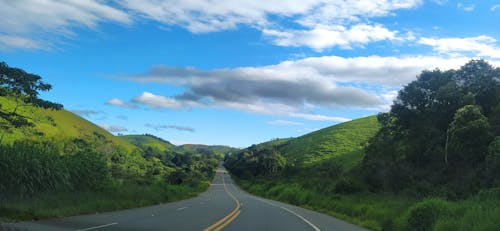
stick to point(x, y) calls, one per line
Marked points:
point(114, 197)
point(388, 211)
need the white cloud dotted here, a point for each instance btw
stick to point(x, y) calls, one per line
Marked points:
point(495, 7)
point(293, 88)
point(482, 46)
point(25, 21)
point(120, 103)
point(156, 101)
point(467, 8)
point(113, 128)
point(209, 16)
point(284, 122)
point(34, 24)
point(8, 42)
point(321, 37)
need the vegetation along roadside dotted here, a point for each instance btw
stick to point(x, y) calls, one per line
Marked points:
point(431, 163)
point(54, 163)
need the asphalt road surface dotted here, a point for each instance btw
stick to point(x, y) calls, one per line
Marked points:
point(222, 207)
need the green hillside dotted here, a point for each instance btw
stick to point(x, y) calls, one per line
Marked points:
point(149, 141)
point(328, 151)
point(201, 148)
point(343, 141)
point(55, 124)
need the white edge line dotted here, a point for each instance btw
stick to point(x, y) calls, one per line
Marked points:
point(97, 227)
point(292, 212)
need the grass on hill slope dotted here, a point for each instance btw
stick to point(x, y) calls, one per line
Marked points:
point(217, 149)
point(343, 142)
point(55, 125)
point(146, 141)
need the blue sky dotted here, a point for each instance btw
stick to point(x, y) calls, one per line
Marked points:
point(238, 72)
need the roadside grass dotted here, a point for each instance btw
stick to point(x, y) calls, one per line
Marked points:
point(365, 209)
point(388, 211)
point(116, 197)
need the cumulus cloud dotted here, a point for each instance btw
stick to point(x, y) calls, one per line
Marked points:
point(482, 46)
point(321, 37)
point(156, 101)
point(85, 112)
point(114, 128)
point(291, 88)
point(175, 127)
point(120, 103)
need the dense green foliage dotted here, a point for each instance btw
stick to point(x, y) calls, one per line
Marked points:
point(435, 139)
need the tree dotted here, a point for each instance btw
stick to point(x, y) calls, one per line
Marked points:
point(469, 137)
point(437, 131)
point(24, 88)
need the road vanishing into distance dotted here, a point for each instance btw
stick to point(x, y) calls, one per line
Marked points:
point(222, 207)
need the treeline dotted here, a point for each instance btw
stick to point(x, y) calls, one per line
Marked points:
point(30, 167)
point(256, 161)
point(441, 136)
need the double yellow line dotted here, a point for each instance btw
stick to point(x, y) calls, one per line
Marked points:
point(230, 217)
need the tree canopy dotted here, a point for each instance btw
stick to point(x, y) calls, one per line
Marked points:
point(437, 132)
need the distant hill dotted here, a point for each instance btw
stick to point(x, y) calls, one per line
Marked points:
point(60, 124)
point(343, 142)
point(158, 144)
point(145, 141)
point(201, 148)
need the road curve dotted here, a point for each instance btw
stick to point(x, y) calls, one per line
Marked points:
point(222, 207)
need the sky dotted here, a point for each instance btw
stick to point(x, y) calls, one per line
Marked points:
point(238, 72)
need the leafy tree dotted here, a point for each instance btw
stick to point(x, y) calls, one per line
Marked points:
point(470, 136)
point(437, 131)
point(24, 88)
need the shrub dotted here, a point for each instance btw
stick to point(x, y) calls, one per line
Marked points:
point(423, 215)
point(347, 186)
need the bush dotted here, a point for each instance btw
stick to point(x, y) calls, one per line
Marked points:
point(423, 215)
point(347, 186)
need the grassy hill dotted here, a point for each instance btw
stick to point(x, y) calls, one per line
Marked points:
point(56, 125)
point(343, 142)
point(201, 148)
point(146, 141)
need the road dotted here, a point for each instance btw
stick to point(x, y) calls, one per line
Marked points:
point(222, 207)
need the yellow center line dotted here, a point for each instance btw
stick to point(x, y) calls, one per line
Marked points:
point(228, 218)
